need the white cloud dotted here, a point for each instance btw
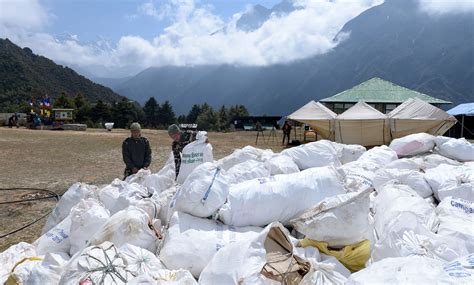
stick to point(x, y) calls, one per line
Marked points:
point(197, 36)
point(28, 14)
point(438, 7)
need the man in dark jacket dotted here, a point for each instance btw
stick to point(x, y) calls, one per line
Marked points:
point(136, 151)
point(180, 140)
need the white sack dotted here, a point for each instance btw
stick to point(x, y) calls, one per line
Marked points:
point(191, 242)
point(407, 237)
point(340, 220)
point(413, 144)
point(458, 149)
point(45, 271)
point(108, 194)
point(56, 240)
point(193, 155)
point(322, 273)
point(130, 195)
point(434, 160)
point(259, 202)
point(346, 152)
point(204, 191)
point(463, 191)
point(412, 178)
point(447, 176)
point(31, 272)
point(12, 255)
point(359, 175)
point(242, 262)
point(163, 179)
point(413, 270)
point(245, 154)
point(164, 201)
point(132, 226)
point(379, 155)
point(351, 152)
point(393, 199)
point(87, 217)
point(72, 196)
point(165, 277)
point(314, 154)
point(87, 267)
point(456, 219)
point(140, 261)
point(281, 164)
point(246, 171)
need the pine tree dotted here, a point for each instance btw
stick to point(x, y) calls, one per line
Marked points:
point(63, 101)
point(208, 119)
point(181, 119)
point(151, 110)
point(193, 114)
point(79, 100)
point(223, 119)
point(100, 113)
point(166, 114)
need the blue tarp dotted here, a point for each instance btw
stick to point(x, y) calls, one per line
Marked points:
point(466, 109)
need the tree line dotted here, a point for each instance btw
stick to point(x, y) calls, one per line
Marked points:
point(151, 115)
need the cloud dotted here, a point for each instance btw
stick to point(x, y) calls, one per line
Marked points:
point(149, 9)
point(28, 14)
point(438, 7)
point(197, 36)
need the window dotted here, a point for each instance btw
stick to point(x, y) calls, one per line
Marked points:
point(390, 107)
point(338, 108)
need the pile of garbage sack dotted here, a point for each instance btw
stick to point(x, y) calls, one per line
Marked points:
point(319, 213)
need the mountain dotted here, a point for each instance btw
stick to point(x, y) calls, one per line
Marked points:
point(109, 81)
point(24, 74)
point(258, 14)
point(393, 41)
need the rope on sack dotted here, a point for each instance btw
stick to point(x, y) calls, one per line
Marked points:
point(206, 195)
point(52, 195)
point(107, 268)
point(284, 275)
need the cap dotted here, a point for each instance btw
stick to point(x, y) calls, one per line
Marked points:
point(135, 127)
point(173, 129)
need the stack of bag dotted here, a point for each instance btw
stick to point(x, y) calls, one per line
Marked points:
point(320, 213)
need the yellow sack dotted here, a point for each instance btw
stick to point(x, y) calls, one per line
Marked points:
point(12, 279)
point(353, 256)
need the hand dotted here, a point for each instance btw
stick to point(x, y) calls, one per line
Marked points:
point(134, 170)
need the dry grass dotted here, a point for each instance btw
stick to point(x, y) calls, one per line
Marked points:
point(56, 159)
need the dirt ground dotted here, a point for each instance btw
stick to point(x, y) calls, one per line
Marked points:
point(54, 160)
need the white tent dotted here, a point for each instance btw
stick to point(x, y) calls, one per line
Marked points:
point(418, 116)
point(318, 116)
point(362, 124)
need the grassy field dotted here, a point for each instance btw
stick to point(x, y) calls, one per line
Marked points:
point(54, 160)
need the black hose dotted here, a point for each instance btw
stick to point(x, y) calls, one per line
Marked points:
point(52, 195)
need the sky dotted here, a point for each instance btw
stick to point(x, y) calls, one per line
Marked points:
point(115, 38)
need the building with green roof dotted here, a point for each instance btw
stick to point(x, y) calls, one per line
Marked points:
point(381, 94)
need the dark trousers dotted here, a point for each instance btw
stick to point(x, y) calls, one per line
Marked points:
point(127, 173)
point(286, 135)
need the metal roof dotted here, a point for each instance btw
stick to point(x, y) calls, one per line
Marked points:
point(466, 109)
point(377, 90)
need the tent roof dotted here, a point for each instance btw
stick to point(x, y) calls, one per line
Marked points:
point(312, 111)
point(361, 111)
point(377, 90)
point(466, 109)
point(415, 108)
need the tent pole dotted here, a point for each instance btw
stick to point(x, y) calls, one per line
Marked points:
point(462, 126)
